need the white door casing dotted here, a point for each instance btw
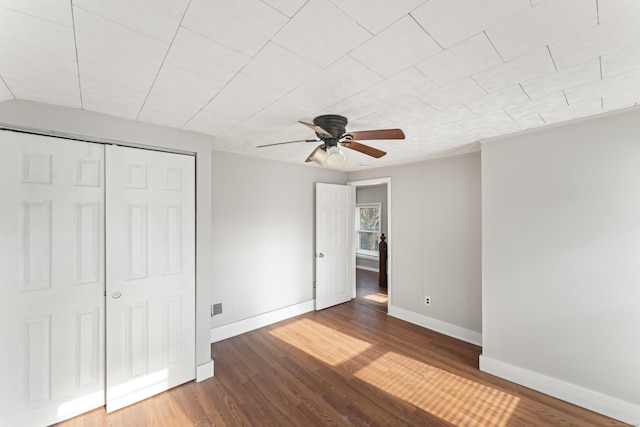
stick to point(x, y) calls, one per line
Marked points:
point(52, 279)
point(335, 251)
point(150, 265)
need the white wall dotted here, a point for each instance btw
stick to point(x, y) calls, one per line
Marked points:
point(561, 262)
point(263, 237)
point(434, 243)
point(94, 125)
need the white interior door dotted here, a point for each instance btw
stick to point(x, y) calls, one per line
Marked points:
point(52, 279)
point(335, 253)
point(150, 268)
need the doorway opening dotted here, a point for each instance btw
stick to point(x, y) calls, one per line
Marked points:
point(370, 287)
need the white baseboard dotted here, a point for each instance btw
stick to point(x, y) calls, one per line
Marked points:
point(204, 371)
point(450, 329)
point(589, 399)
point(237, 328)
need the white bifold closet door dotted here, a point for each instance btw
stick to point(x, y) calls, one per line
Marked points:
point(78, 332)
point(51, 280)
point(150, 273)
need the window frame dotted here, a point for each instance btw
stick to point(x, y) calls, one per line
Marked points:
point(365, 253)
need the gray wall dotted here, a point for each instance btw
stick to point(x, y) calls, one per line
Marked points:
point(561, 262)
point(263, 234)
point(373, 194)
point(94, 125)
point(434, 243)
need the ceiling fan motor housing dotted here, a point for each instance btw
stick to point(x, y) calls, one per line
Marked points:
point(333, 124)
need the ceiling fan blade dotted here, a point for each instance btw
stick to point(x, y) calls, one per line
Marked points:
point(376, 134)
point(365, 149)
point(288, 142)
point(316, 129)
point(313, 153)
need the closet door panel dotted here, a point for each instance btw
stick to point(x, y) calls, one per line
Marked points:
point(151, 273)
point(52, 281)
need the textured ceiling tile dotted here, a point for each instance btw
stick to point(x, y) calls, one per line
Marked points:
point(321, 33)
point(243, 97)
point(522, 69)
point(620, 100)
point(497, 119)
point(207, 58)
point(497, 100)
point(357, 106)
point(157, 19)
point(460, 61)
point(530, 121)
point(611, 9)
point(536, 106)
point(230, 108)
point(274, 118)
point(288, 7)
point(124, 96)
point(235, 137)
point(567, 78)
point(114, 57)
point(621, 62)
point(210, 123)
point(617, 86)
point(177, 96)
point(243, 25)
point(608, 37)
point(402, 86)
point(376, 15)
point(56, 11)
point(280, 68)
point(228, 78)
point(336, 83)
point(541, 25)
point(458, 93)
point(398, 47)
point(30, 46)
point(407, 111)
point(563, 113)
point(451, 21)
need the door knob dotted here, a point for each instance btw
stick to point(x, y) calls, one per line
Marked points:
point(320, 255)
point(116, 295)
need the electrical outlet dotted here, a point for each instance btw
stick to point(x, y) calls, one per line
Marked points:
point(427, 300)
point(216, 309)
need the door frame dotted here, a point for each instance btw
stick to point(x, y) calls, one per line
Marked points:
point(371, 183)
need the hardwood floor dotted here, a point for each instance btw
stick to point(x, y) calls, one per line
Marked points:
point(347, 365)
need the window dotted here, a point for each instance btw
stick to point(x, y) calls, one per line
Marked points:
point(368, 228)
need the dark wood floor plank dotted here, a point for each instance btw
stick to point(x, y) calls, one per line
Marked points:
point(347, 365)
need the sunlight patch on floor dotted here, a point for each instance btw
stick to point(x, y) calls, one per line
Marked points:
point(326, 344)
point(379, 298)
point(448, 396)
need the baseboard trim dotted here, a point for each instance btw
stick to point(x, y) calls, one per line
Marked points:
point(237, 328)
point(204, 371)
point(589, 399)
point(455, 331)
point(363, 267)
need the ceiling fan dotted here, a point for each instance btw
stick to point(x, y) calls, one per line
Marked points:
point(330, 129)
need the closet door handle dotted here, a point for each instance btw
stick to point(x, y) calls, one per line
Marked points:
point(116, 295)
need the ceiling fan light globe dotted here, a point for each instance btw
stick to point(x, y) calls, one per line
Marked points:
point(318, 155)
point(335, 158)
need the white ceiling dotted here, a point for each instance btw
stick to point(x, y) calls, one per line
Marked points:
point(448, 72)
